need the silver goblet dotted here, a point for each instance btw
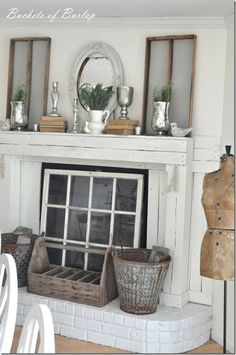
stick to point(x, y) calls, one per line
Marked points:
point(124, 99)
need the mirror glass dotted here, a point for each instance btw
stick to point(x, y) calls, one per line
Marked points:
point(98, 62)
point(95, 69)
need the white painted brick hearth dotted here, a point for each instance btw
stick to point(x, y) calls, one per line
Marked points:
point(168, 330)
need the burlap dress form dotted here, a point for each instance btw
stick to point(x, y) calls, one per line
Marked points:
point(217, 250)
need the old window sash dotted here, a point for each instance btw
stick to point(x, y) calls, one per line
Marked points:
point(113, 212)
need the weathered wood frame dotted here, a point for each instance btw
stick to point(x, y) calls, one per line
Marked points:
point(29, 63)
point(171, 40)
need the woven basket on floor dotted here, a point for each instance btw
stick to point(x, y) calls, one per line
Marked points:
point(20, 252)
point(139, 281)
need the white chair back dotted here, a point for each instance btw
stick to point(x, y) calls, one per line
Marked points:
point(8, 301)
point(38, 320)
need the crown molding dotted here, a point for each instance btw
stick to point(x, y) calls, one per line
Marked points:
point(147, 22)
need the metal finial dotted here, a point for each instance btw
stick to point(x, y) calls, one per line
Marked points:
point(228, 149)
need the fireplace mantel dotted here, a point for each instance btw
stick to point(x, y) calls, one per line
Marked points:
point(171, 163)
point(134, 149)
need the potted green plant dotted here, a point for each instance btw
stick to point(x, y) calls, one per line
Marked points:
point(19, 119)
point(95, 97)
point(161, 102)
point(19, 94)
point(95, 100)
point(161, 95)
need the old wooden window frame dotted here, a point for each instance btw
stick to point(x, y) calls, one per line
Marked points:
point(29, 65)
point(171, 39)
point(91, 174)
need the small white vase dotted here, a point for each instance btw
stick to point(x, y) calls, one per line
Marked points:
point(98, 120)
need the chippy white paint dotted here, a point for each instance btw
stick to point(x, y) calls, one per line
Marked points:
point(170, 164)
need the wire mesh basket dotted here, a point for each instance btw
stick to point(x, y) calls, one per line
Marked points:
point(139, 279)
point(20, 252)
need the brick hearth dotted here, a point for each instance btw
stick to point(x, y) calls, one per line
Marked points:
point(167, 330)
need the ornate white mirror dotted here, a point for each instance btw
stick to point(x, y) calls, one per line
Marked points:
point(98, 62)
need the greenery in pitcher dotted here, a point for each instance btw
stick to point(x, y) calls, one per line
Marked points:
point(19, 94)
point(94, 97)
point(162, 94)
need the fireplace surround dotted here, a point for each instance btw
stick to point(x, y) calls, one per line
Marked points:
point(175, 167)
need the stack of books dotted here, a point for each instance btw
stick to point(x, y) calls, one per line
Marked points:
point(118, 126)
point(53, 124)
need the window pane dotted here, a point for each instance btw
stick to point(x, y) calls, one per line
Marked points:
point(54, 256)
point(123, 230)
point(95, 262)
point(55, 222)
point(77, 225)
point(102, 193)
point(126, 195)
point(100, 227)
point(74, 259)
point(79, 192)
point(57, 189)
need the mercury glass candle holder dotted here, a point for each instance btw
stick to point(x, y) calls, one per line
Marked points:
point(55, 97)
point(124, 99)
point(75, 127)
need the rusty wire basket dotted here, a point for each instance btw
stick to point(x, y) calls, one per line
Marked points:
point(20, 252)
point(139, 281)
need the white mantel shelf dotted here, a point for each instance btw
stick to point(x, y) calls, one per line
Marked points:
point(138, 149)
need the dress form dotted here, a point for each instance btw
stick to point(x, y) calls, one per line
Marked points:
point(217, 250)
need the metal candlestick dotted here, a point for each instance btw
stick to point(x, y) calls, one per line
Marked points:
point(124, 99)
point(75, 127)
point(55, 97)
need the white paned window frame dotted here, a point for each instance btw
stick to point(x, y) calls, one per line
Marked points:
point(91, 175)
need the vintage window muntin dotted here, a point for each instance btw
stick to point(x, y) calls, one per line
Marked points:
point(67, 207)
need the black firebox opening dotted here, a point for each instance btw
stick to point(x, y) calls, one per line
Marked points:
point(144, 172)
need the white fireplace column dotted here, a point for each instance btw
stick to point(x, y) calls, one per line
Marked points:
point(168, 160)
point(176, 185)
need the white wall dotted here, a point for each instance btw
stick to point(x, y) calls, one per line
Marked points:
point(227, 138)
point(130, 44)
point(228, 108)
point(212, 111)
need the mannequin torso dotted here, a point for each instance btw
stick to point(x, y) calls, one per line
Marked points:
point(218, 196)
point(217, 251)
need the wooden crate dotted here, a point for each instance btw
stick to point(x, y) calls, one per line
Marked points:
point(76, 285)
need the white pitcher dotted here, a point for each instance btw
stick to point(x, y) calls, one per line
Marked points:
point(98, 120)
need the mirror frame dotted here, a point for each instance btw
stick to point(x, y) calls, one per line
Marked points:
point(118, 75)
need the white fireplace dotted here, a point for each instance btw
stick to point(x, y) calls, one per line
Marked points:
point(176, 167)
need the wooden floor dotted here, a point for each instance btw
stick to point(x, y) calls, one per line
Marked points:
point(68, 345)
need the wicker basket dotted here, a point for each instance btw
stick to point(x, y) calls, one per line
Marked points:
point(139, 281)
point(20, 252)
